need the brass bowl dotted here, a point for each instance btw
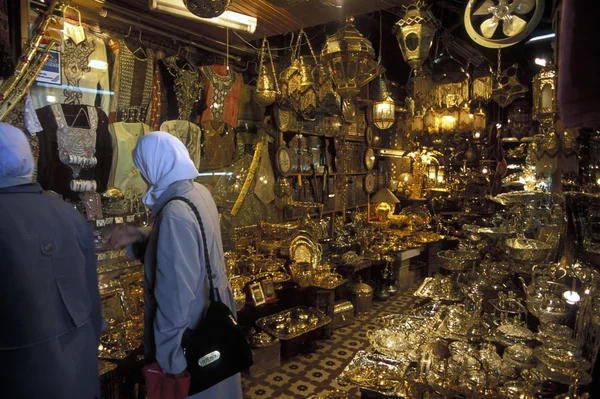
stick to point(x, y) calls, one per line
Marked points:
point(528, 250)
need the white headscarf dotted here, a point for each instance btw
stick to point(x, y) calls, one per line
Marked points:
point(16, 161)
point(162, 160)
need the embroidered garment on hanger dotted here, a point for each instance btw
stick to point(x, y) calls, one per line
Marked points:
point(188, 86)
point(132, 84)
point(189, 134)
point(223, 94)
point(53, 173)
point(81, 82)
point(219, 145)
point(124, 174)
point(76, 146)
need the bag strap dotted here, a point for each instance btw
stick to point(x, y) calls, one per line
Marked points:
point(214, 293)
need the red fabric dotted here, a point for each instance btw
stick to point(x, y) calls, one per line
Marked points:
point(160, 385)
point(232, 99)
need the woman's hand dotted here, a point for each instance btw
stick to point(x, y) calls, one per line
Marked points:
point(123, 236)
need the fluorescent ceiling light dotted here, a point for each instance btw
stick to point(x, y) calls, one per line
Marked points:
point(541, 37)
point(228, 19)
point(541, 62)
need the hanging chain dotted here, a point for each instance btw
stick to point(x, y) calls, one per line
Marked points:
point(312, 52)
point(499, 62)
point(268, 45)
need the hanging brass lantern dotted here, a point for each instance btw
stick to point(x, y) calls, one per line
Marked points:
point(384, 107)
point(415, 32)
point(305, 102)
point(289, 82)
point(417, 124)
point(350, 59)
point(430, 121)
point(451, 82)
point(481, 84)
point(207, 8)
point(324, 83)
point(544, 95)
point(267, 88)
point(479, 120)
point(465, 119)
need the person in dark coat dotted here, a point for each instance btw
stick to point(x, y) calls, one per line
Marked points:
point(49, 300)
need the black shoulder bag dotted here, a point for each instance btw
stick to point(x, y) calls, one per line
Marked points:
point(217, 349)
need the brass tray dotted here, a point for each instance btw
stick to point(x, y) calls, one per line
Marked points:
point(376, 373)
point(429, 287)
point(294, 322)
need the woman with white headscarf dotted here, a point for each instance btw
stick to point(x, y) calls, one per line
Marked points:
point(176, 286)
point(49, 298)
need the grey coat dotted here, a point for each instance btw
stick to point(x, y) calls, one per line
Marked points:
point(176, 284)
point(49, 298)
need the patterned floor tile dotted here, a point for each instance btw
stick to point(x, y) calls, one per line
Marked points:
point(316, 372)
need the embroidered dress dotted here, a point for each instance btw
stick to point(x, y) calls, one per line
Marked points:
point(223, 92)
point(189, 134)
point(76, 146)
point(124, 174)
point(132, 83)
point(82, 82)
point(56, 175)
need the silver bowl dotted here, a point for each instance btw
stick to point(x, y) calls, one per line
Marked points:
point(525, 249)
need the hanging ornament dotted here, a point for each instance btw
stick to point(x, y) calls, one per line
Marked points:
point(207, 8)
point(481, 84)
point(305, 100)
point(350, 59)
point(324, 83)
point(384, 107)
point(544, 95)
point(415, 32)
point(267, 87)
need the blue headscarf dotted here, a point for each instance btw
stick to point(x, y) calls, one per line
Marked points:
point(162, 159)
point(16, 161)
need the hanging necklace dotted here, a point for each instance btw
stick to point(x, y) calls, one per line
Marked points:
point(221, 86)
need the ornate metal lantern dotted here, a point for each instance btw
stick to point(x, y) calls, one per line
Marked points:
point(350, 59)
point(544, 95)
point(267, 88)
point(451, 82)
point(479, 120)
point(207, 8)
point(415, 32)
point(384, 107)
point(481, 84)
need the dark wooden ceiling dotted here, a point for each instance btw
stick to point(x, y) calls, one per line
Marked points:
point(272, 20)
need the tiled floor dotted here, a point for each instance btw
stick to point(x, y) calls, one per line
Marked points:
point(315, 373)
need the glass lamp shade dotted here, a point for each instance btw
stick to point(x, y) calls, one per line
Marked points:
point(383, 113)
point(351, 60)
point(207, 8)
point(415, 32)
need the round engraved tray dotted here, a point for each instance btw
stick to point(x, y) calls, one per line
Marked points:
point(294, 322)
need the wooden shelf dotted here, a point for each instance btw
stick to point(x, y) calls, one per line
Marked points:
point(329, 174)
point(327, 136)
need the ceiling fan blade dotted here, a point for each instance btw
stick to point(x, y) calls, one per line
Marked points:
point(484, 9)
point(488, 27)
point(522, 6)
point(513, 26)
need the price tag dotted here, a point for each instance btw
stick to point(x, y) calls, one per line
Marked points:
point(109, 221)
point(130, 219)
point(100, 223)
point(119, 220)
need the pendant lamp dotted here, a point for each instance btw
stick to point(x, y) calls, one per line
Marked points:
point(415, 32)
point(384, 107)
